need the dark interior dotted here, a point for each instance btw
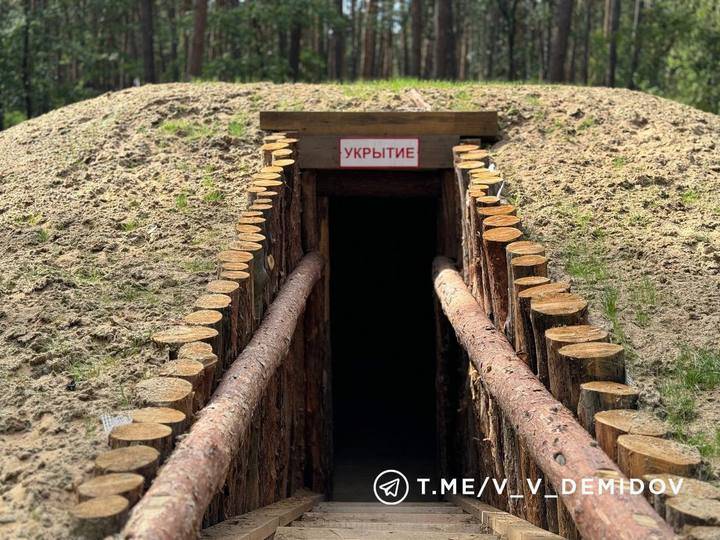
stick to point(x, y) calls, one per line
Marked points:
point(382, 327)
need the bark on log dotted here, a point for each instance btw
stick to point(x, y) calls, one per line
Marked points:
point(156, 436)
point(174, 419)
point(202, 352)
point(494, 242)
point(140, 459)
point(562, 309)
point(639, 455)
point(129, 485)
point(101, 517)
point(555, 339)
point(609, 425)
point(174, 505)
point(596, 396)
point(526, 342)
point(688, 511)
point(560, 446)
point(671, 485)
point(522, 248)
point(594, 361)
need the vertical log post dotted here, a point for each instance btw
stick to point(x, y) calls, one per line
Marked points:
point(495, 241)
point(526, 350)
point(596, 396)
point(594, 361)
point(562, 309)
point(555, 339)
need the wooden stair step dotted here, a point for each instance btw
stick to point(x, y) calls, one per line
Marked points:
point(315, 533)
point(415, 508)
point(261, 523)
point(467, 527)
point(399, 517)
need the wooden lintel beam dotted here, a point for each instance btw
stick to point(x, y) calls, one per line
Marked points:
point(378, 184)
point(470, 124)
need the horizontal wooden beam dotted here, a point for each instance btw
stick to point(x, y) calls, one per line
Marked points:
point(378, 184)
point(469, 124)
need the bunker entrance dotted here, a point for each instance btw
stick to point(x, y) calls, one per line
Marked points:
point(382, 337)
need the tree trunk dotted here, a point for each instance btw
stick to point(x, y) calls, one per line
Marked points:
point(585, 75)
point(295, 43)
point(416, 22)
point(613, 25)
point(172, 21)
point(636, 39)
point(26, 65)
point(197, 49)
point(561, 31)
point(148, 49)
point(445, 63)
point(339, 41)
point(368, 69)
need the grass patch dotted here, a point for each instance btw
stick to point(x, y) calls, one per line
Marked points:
point(199, 265)
point(185, 129)
point(88, 369)
point(42, 236)
point(130, 225)
point(587, 123)
point(689, 196)
point(696, 369)
point(619, 162)
point(644, 299)
point(213, 194)
point(238, 126)
point(181, 201)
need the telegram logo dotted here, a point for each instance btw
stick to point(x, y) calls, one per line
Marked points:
point(391, 487)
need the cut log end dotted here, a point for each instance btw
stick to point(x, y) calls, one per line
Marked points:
point(234, 256)
point(213, 301)
point(502, 235)
point(610, 424)
point(525, 247)
point(560, 304)
point(129, 485)
point(156, 436)
point(203, 317)
point(685, 511)
point(179, 335)
point(597, 396)
point(502, 209)
point(494, 222)
point(100, 517)
point(222, 286)
point(639, 455)
point(139, 459)
point(171, 392)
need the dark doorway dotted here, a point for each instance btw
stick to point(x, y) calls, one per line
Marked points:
point(383, 344)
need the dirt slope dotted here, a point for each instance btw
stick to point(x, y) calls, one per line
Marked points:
point(111, 210)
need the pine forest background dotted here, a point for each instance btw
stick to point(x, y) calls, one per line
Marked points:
point(53, 52)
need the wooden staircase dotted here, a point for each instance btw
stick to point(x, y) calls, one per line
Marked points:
point(306, 517)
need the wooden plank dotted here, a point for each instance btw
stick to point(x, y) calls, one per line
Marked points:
point(378, 184)
point(469, 124)
point(389, 517)
point(383, 525)
point(323, 151)
point(396, 533)
point(262, 523)
point(502, 523)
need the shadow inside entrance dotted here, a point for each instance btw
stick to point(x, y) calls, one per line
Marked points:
point(381, 251)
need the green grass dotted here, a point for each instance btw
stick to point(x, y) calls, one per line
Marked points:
point(689, 196)
point(238, 126)
point(619, 162)
point(199, 265)
point(587, 123)
point(213, 194)
point(129, 226)
point(708, 445)
point(644, 299)
point(185, 129)
point(42, 236)
point(89, 369)
point(696, 369)
point(181, 201)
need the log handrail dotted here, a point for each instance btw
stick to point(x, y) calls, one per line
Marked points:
point(173, 507)
point(554, 438)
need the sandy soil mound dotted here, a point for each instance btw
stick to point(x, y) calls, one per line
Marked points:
point(111, 210)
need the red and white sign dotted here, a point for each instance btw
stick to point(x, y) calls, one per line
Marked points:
point(379, 153)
